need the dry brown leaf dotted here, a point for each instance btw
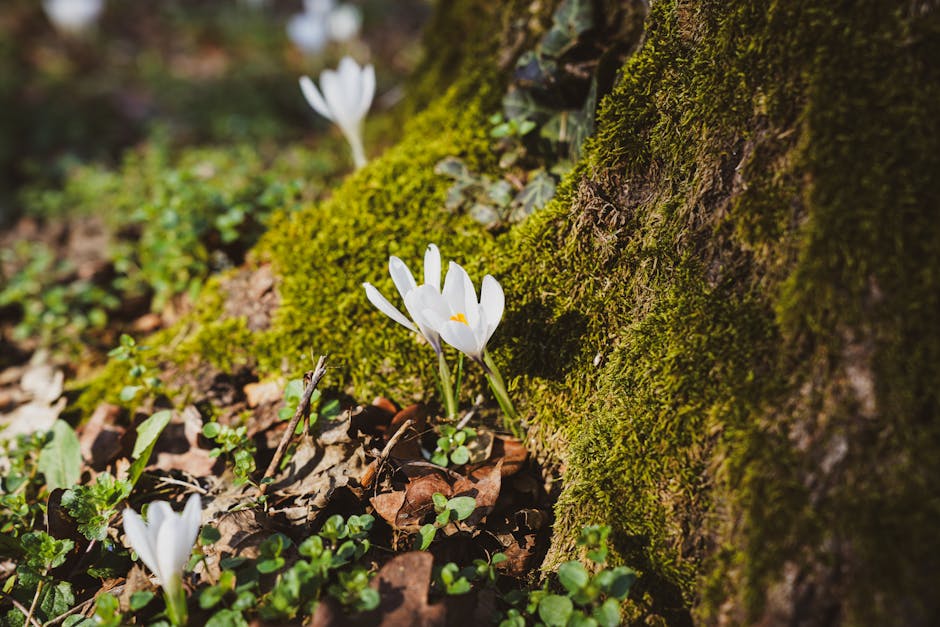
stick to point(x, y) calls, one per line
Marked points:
point(387, 505)
point(264, 392)
point(483, 484)
point(513, 453)
point(100, 438)
point(137, 581)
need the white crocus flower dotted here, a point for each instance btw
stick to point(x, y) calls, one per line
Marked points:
point(344, 22)
point(405, 283)
point(346, 98)
point(455, 314)
point(164, 544)
point(318, 7)
point(73, 16)
point(308, 32)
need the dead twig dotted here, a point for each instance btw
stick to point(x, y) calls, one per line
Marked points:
point(303, 411)
point(80, 608)
point(368, 476)
point(191, 486)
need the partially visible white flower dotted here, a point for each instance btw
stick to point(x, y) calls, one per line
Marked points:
point(73, 16)
point(166, 540)
point(308, 32)
point(344, 22)
point(318, 7)
point(455, 314)
point(346, 98)
point(406, 285)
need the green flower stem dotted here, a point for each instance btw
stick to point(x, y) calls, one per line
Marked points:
point(447, 389)
point(175, 596)
point(502, 396)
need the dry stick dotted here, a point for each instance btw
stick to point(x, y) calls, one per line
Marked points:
point(303, 409)
point(191, 486)
point(369, 475)
point(81, 607)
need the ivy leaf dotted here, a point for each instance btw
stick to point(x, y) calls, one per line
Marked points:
point(60, 460)
point(452, 167)
point(572, 19)
point(535, 195)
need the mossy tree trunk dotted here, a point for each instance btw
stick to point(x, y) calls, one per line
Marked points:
point(744, 280)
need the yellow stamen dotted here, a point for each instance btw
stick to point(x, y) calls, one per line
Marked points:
point(460, 318)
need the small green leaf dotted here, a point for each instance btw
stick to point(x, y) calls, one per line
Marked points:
point(270, 565)
point(608, 614)
point(440, 501)
point(147, 433)
point(209, 535)
point(462, 505)
point(426, 536)
point(623, 581)
point(211, 430)
point(60, 460)
point(140, 599)
point(368, 600)
point(573, 576)
point(460, 456)
point(149, 430)
point(128, 392)
point(555, 610)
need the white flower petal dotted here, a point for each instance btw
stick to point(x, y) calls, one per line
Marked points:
point(455, 288)
point(401, 276)
point(314, 99)
point(138, 534)
point(192, 519)
point(307, 32)
point(415, 302)
point(492, 302)
point(318, 7)
point(461, 337)
point(381, 303)
point(432, 267)
point(157, 512)
point(367, 93)
point(170, 558)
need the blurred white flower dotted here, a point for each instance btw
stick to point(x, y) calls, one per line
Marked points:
point(308, 32)
point(318, 7)
point(346, 98)
point(344, 22)
point(164, 544)
point(455, 314)
point(405, 283)
point(73, 16)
